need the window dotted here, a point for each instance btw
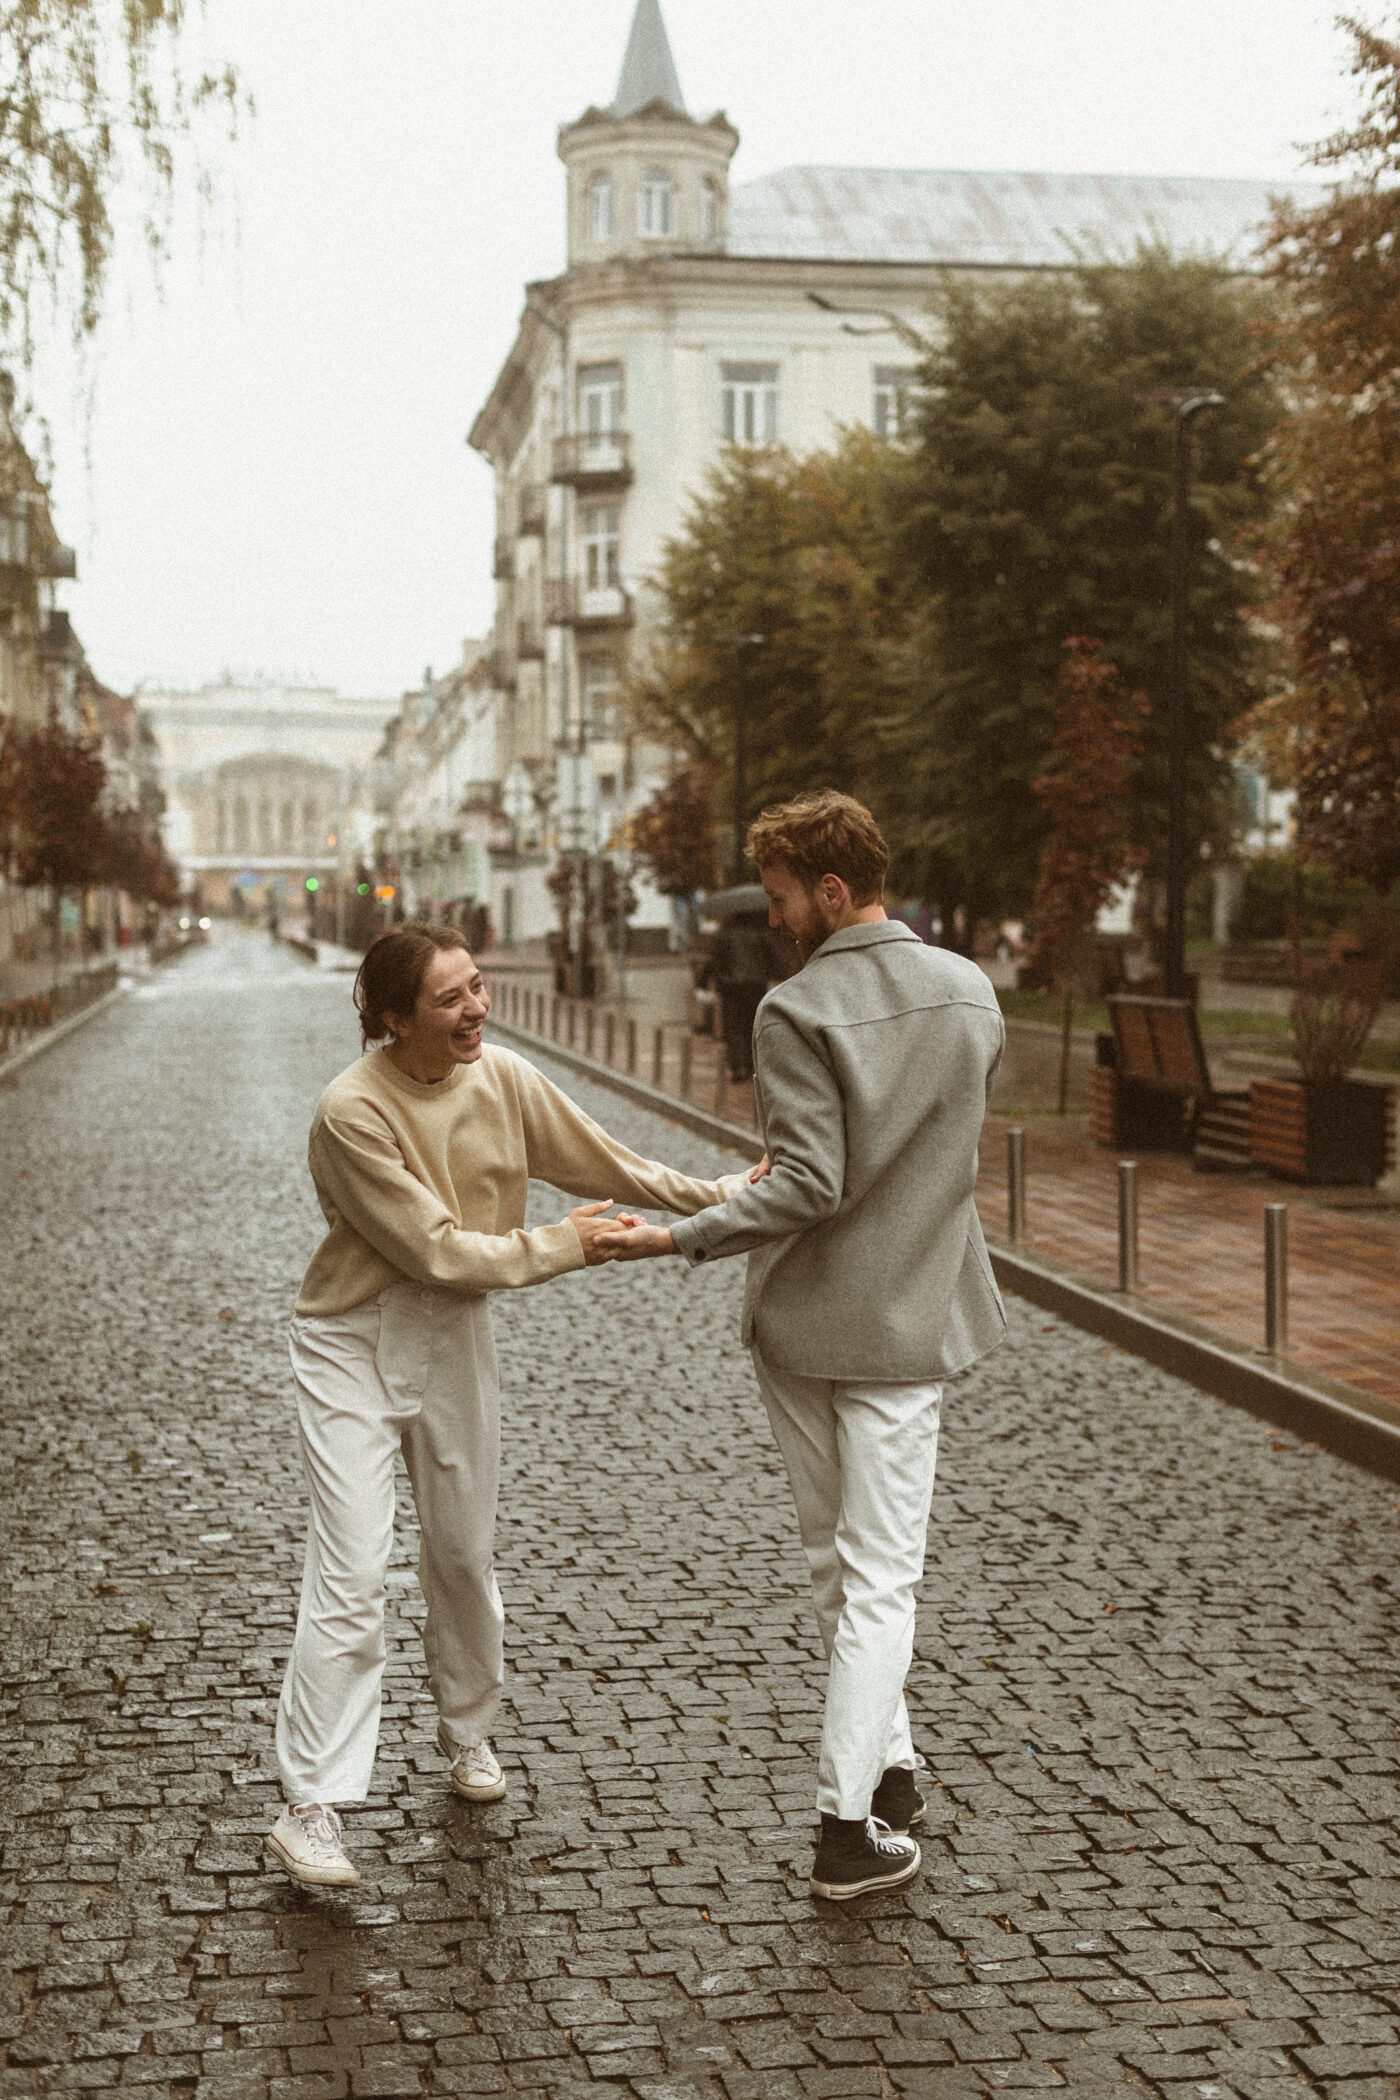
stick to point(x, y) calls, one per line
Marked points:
point(750, 402)
point(600, 710)
point(896, 393)
point(599, 539)
point(656, 206)
point(600, 208)
point(710, 204)
point(599, 399)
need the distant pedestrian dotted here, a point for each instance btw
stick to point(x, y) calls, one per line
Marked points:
point(742, 965)
point(868, 1282)
point(421, 1153)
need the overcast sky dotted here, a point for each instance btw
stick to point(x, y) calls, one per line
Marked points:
point(274, 476)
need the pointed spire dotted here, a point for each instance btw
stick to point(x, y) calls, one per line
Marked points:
point(648, 71)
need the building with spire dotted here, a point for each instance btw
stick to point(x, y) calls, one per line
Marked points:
point(691, 315)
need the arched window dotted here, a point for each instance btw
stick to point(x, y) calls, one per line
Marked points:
point(656, 206)
point(600, 208)
point(288, 833)
point(710, 208)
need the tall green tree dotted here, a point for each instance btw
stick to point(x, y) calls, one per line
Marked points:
point(1036, 506)
point(1334, 728)
point(783, 605)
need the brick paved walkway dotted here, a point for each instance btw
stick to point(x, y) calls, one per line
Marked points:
point(1202, 1235)
point(1155, 1679)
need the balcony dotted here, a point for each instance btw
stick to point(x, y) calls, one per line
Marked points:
point(534, 511)
point(573, 604)
point(503, 567)
point(529, 639)
point(599, 459)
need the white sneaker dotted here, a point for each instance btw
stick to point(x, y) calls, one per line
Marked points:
point(307, 1842)
point(476, 1775)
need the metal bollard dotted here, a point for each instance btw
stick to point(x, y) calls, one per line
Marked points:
point(721, 1085)
point(687, 1051)
point(609, 1036)
point(632, 1045)
point(571, 1018)
point(1127, 1225)
point(658, 1054)
point(554, 1016)
point(1275, 1277)
point(1015, 1184)
point(588, 1029)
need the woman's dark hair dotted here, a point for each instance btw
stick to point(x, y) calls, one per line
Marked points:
point(391, 976)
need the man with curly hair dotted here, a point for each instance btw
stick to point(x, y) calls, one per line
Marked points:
point(868, 1281)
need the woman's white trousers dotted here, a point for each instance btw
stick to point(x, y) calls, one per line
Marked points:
point(861, 1460)
point(410, 1370)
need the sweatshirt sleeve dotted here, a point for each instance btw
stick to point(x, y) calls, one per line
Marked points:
point(806, 1132)
point(567, 1148)
point(363, 1175)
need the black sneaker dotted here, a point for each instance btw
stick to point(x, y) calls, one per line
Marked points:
point(897, 1800)
point(856, 1856)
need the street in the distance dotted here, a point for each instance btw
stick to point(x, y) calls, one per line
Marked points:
point(1153, 1678)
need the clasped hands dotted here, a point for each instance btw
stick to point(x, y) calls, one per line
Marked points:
point(627, 1237)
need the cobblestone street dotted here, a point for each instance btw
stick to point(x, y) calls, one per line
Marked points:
point(1155, 1679)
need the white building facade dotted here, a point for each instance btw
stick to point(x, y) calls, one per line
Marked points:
point(694, 315)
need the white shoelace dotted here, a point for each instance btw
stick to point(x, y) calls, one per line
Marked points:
point(322, 1825)
point(890, 1843)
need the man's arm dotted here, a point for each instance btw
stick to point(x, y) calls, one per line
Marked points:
point(806, 1131)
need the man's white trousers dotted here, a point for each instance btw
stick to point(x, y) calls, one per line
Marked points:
point(861, 1460)
point(410, 1370)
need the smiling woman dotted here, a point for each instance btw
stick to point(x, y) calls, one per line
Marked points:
point(420, 986)
point(421, 1154)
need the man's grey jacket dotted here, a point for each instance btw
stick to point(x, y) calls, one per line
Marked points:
point(867, 1260)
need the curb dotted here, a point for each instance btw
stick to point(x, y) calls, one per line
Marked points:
point(59, 1029)
point(1346, 1420)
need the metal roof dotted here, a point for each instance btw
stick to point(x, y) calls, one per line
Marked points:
point(958, 216)
point(648, 70)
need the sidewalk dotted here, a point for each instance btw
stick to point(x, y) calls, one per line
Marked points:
point(1201, 1236)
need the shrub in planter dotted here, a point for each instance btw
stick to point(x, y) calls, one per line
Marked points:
point(1324, 1127)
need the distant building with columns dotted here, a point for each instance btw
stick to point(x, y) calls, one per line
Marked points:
point(267, 785)
point(693, 315)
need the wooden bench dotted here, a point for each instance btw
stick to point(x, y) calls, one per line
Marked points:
point(1152, 1087)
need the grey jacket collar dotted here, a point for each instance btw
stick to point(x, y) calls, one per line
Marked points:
point(866, 936)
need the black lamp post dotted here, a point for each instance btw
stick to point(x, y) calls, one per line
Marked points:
point(747, 642)
point(1174, 971)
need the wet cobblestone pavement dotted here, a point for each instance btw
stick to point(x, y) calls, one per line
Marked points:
point(1155, 1677)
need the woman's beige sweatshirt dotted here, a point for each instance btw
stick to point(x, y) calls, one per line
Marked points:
point(428, 1182)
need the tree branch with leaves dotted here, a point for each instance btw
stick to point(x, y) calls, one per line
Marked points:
point(1085, 793)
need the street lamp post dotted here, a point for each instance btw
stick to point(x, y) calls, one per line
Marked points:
point(746, 642)
point(1174, 971)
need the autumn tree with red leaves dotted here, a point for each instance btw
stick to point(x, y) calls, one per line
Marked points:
point(1085, 793)
point(1334, 731)
point(673, 835)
